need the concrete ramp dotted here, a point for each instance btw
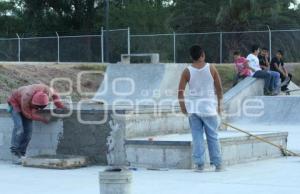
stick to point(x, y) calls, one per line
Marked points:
point(271, 110)
point(280, 113)
point(140, 84)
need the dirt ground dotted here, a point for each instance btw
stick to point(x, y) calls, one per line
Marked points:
point(14, 76)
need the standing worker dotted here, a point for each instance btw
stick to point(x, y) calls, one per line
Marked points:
point(24, 104)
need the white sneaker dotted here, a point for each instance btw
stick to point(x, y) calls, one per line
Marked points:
point(285, 82)
point(220, 168)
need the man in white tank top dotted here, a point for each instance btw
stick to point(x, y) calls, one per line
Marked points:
point(202, 105)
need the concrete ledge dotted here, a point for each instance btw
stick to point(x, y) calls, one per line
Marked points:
point(236, 148)
point(234, 98)
point(55, 161)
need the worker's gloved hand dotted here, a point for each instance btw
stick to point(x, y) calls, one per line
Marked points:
point(61, 110)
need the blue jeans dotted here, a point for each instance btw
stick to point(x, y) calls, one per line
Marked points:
point(21, 134)
point(209, 125)
point(275, 81)
point(266, 76)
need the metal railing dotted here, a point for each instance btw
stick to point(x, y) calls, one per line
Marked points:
point(172, 47)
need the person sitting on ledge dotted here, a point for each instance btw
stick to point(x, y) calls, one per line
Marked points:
point(241, 66)
point(269, 88)
point(277, 65)
point(24, 104)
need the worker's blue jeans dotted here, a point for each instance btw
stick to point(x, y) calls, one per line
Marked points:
point(209, 125)
point(21, 134)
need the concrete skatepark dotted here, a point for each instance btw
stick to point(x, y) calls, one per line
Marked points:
point(143, 127)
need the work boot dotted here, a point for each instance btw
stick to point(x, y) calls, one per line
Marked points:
point(267, 93)
point(199, 168)
point(275, 93)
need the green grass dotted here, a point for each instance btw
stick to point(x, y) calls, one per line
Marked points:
point(296, 75)
point(227, 75)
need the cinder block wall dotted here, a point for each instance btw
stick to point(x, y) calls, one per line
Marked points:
point(61, 136)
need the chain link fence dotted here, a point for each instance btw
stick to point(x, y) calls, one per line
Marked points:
point(173, 47)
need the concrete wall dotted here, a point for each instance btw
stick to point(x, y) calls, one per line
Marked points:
point(178, 154)
point(101, 143)
point(62, 136)
point(45, 138)
point(151, 124)
point(140, 84)
point(234, 98)
point(85, 139)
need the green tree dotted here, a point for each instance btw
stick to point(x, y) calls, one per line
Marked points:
point(61, 15)
point(142, 16)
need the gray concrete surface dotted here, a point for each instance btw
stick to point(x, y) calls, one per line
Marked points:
point(235, 97)
point(101, 143)
point(174, 151)
point(140, 84)
point(63, 136)
point(138, 115)
point(273, 110)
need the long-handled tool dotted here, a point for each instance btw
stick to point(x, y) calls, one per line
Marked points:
point(284, 151)
point(288, 92)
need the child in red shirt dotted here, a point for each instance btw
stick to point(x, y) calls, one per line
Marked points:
point(241, 65)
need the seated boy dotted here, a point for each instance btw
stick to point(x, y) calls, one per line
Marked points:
point(277, 65)
point(264, 61)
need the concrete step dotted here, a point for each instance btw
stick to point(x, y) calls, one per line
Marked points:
point(175, 150)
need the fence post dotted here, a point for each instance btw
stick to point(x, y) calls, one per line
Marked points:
point(19, 47)
point(174, 47)
point(102, 45)
point(58, 48)
point(128, 41)
point(221, 47)
point(270, 43)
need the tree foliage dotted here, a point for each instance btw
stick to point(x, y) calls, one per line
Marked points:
point(42, 16)
point(156, 16)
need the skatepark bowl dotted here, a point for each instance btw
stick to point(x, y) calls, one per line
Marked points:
point(126, 129)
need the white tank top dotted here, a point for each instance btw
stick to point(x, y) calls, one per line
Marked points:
point(201, 98)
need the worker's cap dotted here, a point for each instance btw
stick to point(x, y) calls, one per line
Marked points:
point(40, 99)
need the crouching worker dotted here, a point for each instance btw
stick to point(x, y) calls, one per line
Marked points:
point(202, 107)
point(24, 104)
